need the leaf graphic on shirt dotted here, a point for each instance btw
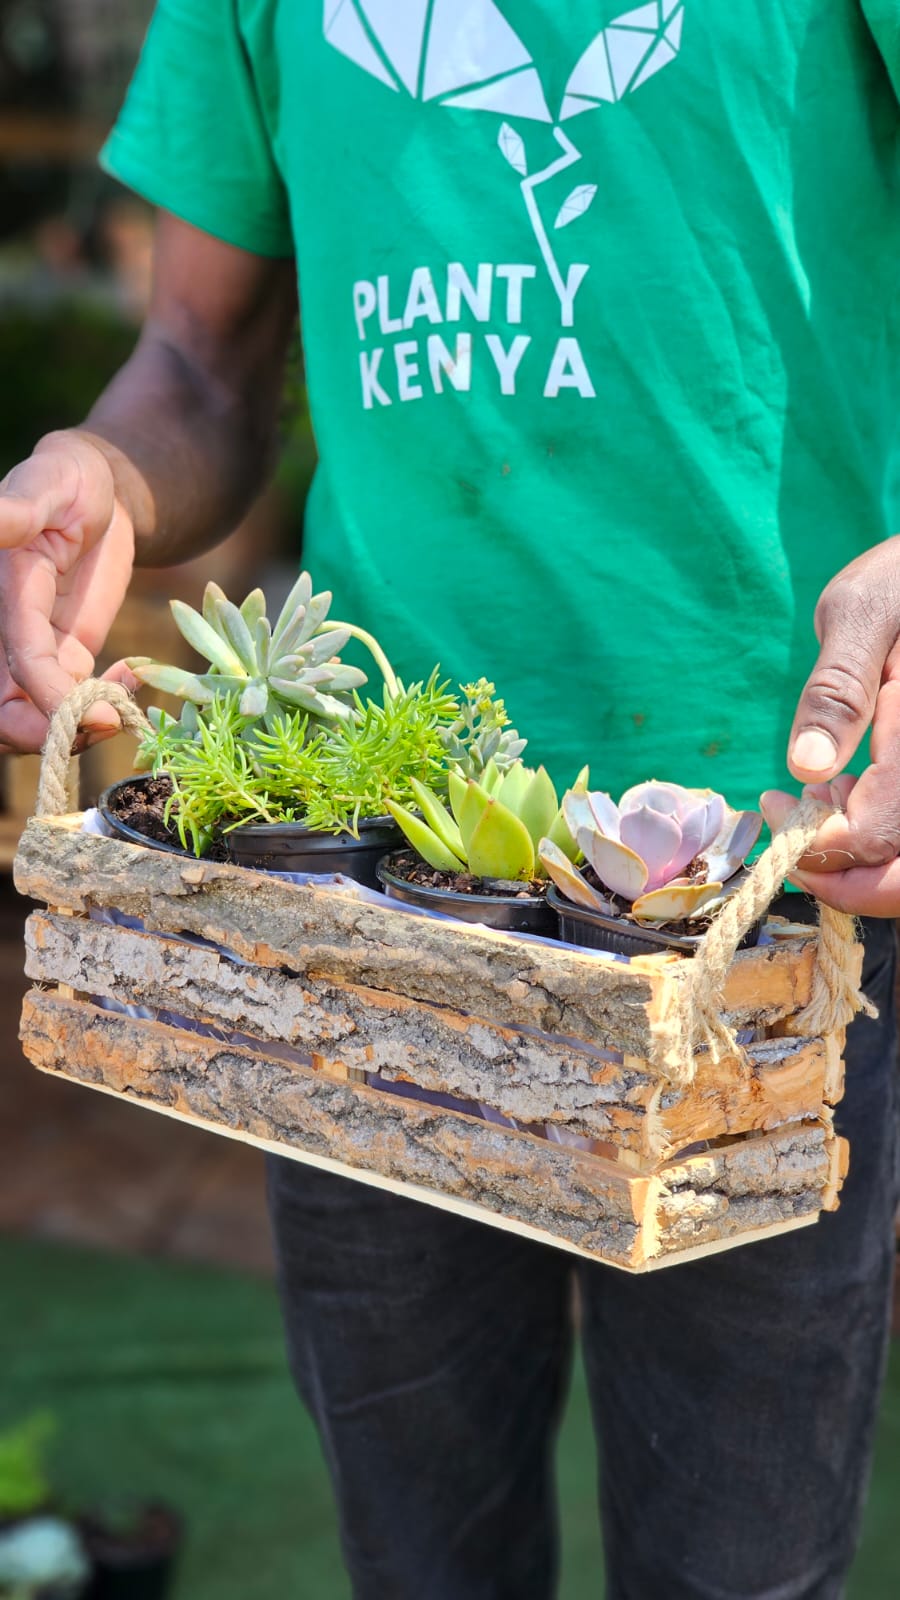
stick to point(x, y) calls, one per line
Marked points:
point(624, 54)
point(465, 54)
point(461, 53)
point(575, 204)
point(513, 148)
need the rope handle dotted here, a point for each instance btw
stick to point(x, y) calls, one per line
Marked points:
point(691, 1018)
point(53, 798)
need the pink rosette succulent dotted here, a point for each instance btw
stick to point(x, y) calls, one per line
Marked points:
point(672, 853)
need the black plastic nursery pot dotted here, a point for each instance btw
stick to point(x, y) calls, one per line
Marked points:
point(139, 1566)
point(273, 846)
point(290, 847)
point(107, 807)
point(509, 913)
point(594, 931)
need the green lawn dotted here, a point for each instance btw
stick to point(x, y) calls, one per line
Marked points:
point(171, 1379)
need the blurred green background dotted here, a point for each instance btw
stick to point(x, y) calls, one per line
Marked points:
point(166, 1377)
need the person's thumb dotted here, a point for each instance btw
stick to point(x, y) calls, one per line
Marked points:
point(837, 704)
point(35, 495)
point(830, 851)
point(101, 721)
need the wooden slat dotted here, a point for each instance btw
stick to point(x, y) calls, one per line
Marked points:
point(781, 1087)
point(531, 1078)
point(411, 1191)
point(340, 938)
point(764, 1182)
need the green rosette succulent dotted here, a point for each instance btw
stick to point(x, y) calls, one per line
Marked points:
point(294, 664)
point(492, 827)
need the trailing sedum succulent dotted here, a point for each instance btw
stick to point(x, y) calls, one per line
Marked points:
point(293, 664)
point(227, 769)
point(673, 853)
point(493, 826)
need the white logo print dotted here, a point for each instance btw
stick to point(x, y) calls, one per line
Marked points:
point(463, 54)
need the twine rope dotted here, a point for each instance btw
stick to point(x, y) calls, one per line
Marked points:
point(54, 796)
point(692, 1018)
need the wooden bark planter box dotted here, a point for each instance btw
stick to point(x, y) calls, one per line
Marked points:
point(322, 990)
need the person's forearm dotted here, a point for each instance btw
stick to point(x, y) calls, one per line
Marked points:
point(165, 464)
point(189, 425)
point(187, 451)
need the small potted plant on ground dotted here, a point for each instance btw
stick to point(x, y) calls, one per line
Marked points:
point(133, 1547)
point(659, 864)
point(42, 1559)
point(24, 1485)
point(478, 859)
point(41, 1554)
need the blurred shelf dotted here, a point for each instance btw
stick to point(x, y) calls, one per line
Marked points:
point(29, 136)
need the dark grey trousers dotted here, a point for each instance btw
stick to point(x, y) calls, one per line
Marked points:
point(734, 1399)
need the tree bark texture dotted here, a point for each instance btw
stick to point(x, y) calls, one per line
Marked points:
point(724, 1193)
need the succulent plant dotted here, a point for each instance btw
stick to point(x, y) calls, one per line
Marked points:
point(225, 773)
point(673, 853)
point(492, 827)
point(293, 664)
point(42, 1556)
point(24, 1484)
point(481, 734)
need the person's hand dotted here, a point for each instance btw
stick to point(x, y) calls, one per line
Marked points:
point(853, 862)
point(66, 556)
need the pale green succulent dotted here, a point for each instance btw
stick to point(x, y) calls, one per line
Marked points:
point(481, 733)
point(42, 1556)
point(294, 663)
point(492, 828)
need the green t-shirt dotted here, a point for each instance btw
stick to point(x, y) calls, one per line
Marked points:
point(602, 333)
